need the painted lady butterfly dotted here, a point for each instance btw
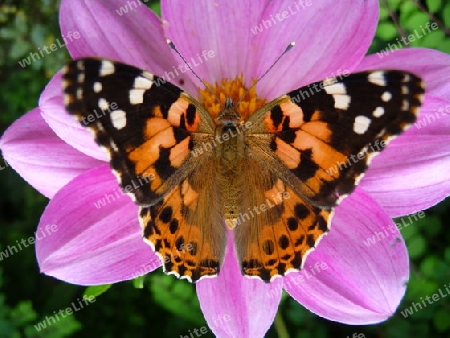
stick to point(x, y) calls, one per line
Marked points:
point(268, 177)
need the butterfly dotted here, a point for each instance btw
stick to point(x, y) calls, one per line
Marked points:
point(271, 180)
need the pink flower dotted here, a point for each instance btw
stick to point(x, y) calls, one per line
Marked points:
point(343, 280)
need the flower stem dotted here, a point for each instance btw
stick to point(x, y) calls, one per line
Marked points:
point(280, 326)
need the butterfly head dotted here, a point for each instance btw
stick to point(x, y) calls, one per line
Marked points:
point(228, 116)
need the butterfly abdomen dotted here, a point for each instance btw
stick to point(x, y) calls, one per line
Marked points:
point(230, 163)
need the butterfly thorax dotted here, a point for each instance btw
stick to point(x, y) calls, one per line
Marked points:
point(230, 155)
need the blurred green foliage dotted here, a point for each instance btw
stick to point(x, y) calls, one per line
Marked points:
point(157, 305)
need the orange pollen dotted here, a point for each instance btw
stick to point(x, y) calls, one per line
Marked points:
point(234, 89)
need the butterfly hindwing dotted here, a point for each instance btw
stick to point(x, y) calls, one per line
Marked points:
point(277, 228)
point(186, 228)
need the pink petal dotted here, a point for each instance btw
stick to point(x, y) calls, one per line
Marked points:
point(223, 28)
point(412, 174)
point(64, 125)
point(40, 157)
point(135, 37)
point(237, 306)
point(363, 283)
point(432, 65)
point(98, 239)
point(331, 37)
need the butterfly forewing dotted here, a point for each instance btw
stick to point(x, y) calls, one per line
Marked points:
point(144, 123)
point(327, 132)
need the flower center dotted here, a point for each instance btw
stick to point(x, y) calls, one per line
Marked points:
point(234, 89)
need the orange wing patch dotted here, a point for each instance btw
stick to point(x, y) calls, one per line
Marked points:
point(185, 228)
point(283, 116)
point(183, 114)
point(277, 239)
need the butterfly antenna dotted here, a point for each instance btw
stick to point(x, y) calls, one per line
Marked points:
point(171, 45)
point(288, 48)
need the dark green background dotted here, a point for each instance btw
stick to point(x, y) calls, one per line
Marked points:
point(158, 305)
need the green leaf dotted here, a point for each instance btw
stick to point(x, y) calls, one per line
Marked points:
point(386, 31)
point(177, 297)
point(394, 4)
point(38, 35)
point(447, 254)
point(384, 14)
point(429, 266)
point(23, 313)
point(407, 8)
point(416, 246)
point(446, 15)
point(434, 5)
point(433, 39)
point(138, 282)
point(415, 21)
point(19, 49)
point(440, 319)
point(156, 7)
point(430, 224)
point(96, 290)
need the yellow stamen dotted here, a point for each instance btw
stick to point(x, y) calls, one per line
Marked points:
point(235, 89)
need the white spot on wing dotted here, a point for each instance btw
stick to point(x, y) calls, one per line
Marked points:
point(336, 88)
point(386, 96)
point(341, 101)
point(103, 104)
point(378, 112)
point(137, 96)
point(377, 78)
point(107, 68)
point(113, 146)
point(142, 83)
point(405, 105)
point(118, 119)
point(97, 87)
point(361, 124)
point(80, 77)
